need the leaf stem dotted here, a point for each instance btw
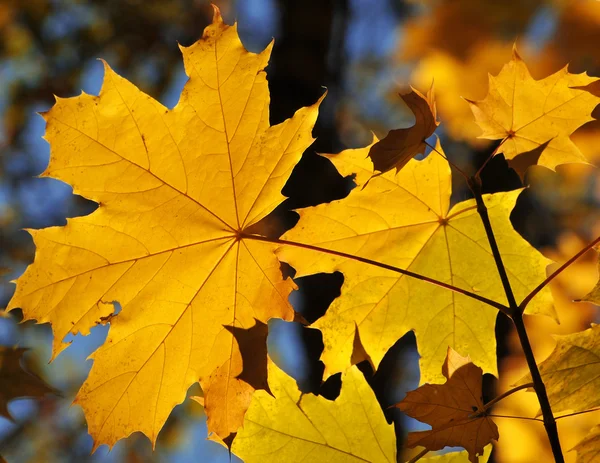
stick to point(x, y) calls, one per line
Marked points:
point(517, 317)
point(478, 173)
point(557, 272)
point(460, 171)
point(497, 399)
point(418, 456)
point(418, 276)
point(515, 417)
point(578, 413)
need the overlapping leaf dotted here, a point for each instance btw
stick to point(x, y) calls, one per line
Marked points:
point(571, 372)
point(404, 220)
point(526, 113)
point(293, 427)
point(401, 145)
point(452, 410)
point(176, 189)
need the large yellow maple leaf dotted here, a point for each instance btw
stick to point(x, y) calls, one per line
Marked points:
point(289, 426)
point(176, 189)
point(405, 220)
point(526, 113)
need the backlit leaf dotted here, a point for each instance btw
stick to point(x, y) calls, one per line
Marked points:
point(401, 145)
point(526, 113)
point(294, 427)
point(451, 410)
point(176, 189)
point(404, 220)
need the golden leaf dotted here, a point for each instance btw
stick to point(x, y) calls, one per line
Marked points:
point(404, 220)
point(176, 190)
point(526, 113)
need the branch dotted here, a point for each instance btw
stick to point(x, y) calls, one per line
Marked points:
point(475, 185)
point(544, 283)
point(495, 400)
point(517, 318)
point(418, 276)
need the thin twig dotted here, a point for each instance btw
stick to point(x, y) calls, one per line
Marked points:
point(515, 417)
point(578, 413)
point(475, 185)
point(517, 318)
point(540, 388)
point(418, 456)
point(495, 400)
point(418, 276)
point(460, 171)
point(478, 173)
point(557, 272)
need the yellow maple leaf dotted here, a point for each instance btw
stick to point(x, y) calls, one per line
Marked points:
point(176, 189)
point(526, 113)
point(404, 220)
point(571, 372)
point(451, 409)
point(292, 427)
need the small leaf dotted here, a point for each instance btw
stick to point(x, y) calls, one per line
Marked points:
point(451, 410)
point(401, 145)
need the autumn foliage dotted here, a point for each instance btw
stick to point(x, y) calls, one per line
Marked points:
point(174, 244)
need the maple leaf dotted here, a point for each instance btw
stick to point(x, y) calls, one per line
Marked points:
point(176, 189)
point(455, 409)
point(401, 145)
point(289, 426)
point(588, 450)
point(526, 113)
point(571, 372)
point(403, 219)
point(17, 382)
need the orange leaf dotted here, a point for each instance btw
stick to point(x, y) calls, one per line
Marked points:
point(451, 409)
point(401, 145)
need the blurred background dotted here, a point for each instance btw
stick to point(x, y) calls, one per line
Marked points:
point(364, 52)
